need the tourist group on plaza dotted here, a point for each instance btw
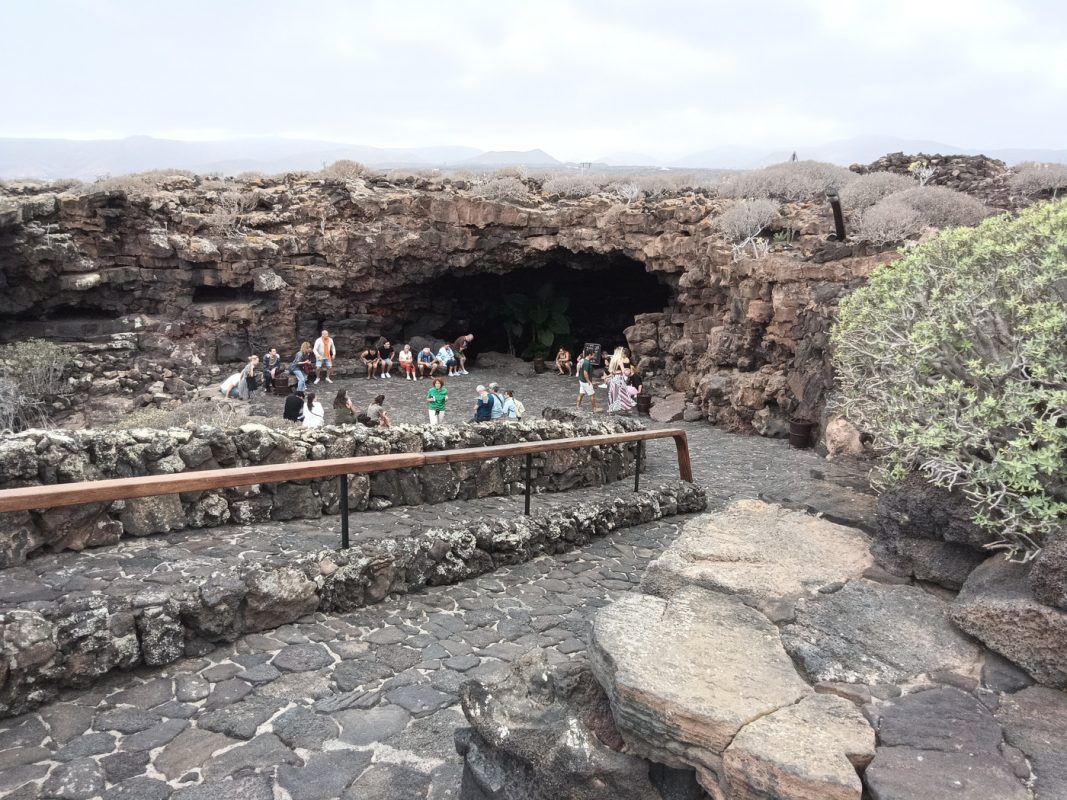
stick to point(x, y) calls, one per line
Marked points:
point(314, 363)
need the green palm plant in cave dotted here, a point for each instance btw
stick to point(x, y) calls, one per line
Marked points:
point(538, 321)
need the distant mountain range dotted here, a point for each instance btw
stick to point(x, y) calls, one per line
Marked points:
point(90, 159)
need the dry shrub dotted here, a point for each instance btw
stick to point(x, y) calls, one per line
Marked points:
point(655, 185)
point(32, 375)
point(746, 219)
point(791, 181)
point(344, 170)
point(866, 190)
point(942, 207)
point(888, 222)
point(1032, 178)
point(630, 192)
point(569, 186)
point(503, 190)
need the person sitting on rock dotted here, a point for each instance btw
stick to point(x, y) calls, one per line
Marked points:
point(563, 361)
point(294, 407)
point(272, 368)
point(314, 415)
point(498, 401)
point(446, 357)
point(407, 362)
point(376, 413)
point(428, 363)
point(247, 383)
point(301, 365)
point(369, 357)
point(483, 407)
point(513, 409)
point(344, 411)
point(385, 358)
point(325, 353)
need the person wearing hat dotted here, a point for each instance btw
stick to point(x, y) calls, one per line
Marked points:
point(483, 409)
point(498, 401)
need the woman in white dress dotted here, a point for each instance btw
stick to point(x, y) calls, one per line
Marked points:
point(314, 415)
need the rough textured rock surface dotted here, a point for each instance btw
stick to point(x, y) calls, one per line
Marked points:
point(1048, 574)
point(760, 553)
point(981, 176)
point(1035, 721)
point(940, 743)
point(209, 280)
point(877, 634)
point(545, 734)
point(46, 457)
point(997, 607)
point(681, 688)
point(808, 751)
point(75, 642)
point(914, 508)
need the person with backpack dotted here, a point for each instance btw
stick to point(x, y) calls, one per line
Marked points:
point(513, 409)
point(585, 380)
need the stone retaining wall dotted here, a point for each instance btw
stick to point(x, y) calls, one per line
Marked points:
point(74, 642)
point(47, 457)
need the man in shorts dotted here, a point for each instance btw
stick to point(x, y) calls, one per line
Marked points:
point(459, 348)
point(427, 363)
point(385, 358)
point(325, 353)
point(585, 380)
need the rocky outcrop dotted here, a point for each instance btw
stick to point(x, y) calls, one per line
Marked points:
point(682, 688)
point(74, 641)
point(1035, 722)
point(874, 633)
point(546, 734)
point(1048, 575)
point(762, 554)
point(47, 457)
point(217, 270)
point(997, 607)
point(981, 176)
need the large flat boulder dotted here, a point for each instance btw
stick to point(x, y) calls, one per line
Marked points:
point(684, 675)
point(877, 634)
point(1035, 721)
point(907, 773)
point(760, 553)
point(808, 751)
point(997, 607)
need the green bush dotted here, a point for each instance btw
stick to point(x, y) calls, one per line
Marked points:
point(955, 359)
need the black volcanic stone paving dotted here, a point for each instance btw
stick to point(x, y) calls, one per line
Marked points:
point(365, 704)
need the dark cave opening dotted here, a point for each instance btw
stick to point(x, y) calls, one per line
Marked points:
point(221, 294)
point(603, 293)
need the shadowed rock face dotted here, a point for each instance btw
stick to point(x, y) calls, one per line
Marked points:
point(370, 259)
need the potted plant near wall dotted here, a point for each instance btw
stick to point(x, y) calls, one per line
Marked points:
point(540, 318)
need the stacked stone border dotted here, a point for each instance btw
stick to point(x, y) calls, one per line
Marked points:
point(47, 457)
point(75, 642)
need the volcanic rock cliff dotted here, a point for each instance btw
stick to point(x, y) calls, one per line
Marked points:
point(202, 271)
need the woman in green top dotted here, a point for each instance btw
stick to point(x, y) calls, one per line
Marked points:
point(436, 399)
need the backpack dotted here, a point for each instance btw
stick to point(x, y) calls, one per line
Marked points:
point(520, 409)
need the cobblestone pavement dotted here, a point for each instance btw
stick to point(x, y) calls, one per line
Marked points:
point(364, 705)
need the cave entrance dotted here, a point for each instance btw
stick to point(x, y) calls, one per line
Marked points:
point(603, 294)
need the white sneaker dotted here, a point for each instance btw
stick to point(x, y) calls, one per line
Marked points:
point(464, 372)
point(328, 380)
point(603, 386)
point(317, 380)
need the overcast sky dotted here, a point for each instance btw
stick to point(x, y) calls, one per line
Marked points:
point(579, 78)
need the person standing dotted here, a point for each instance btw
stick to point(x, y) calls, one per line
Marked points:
point(435, 400)
point(301, 364)
point(294, 407)
point(325, 353)
point(385, 358)
point(459, 348)
point(585, 380)
point(314, 415)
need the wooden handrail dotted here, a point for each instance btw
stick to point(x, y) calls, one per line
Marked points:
point(104, 491)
